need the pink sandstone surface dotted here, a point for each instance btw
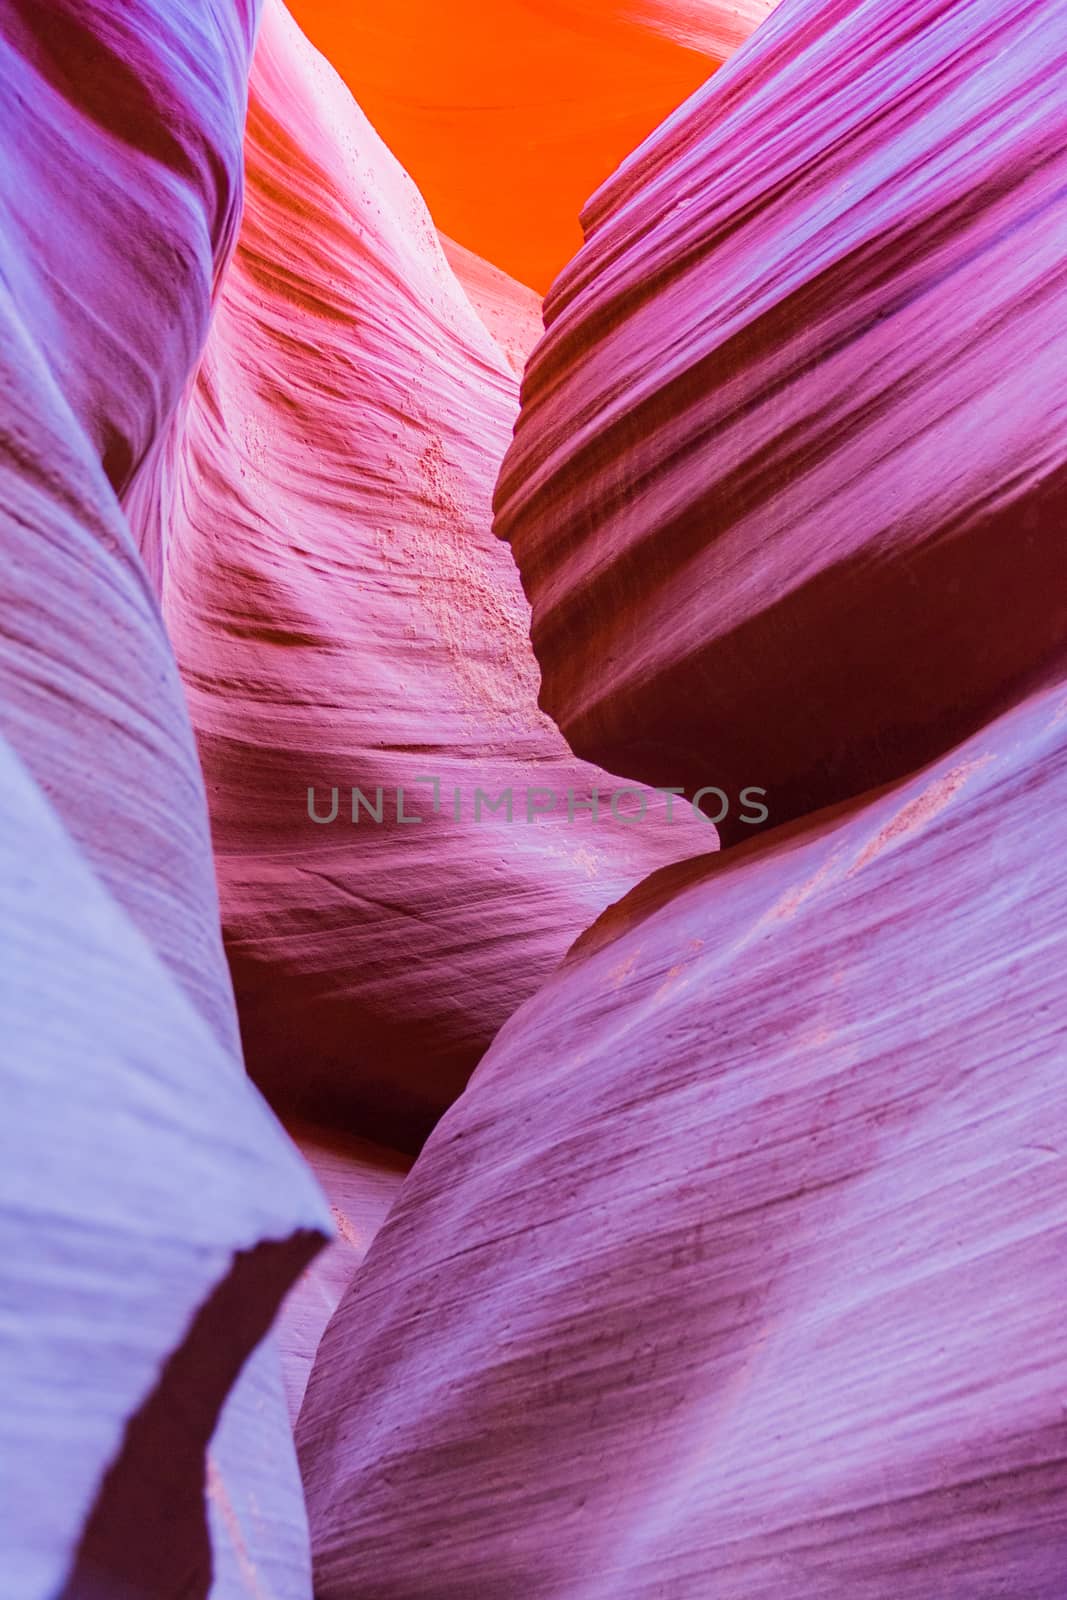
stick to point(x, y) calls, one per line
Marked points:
point(788, 487)
point(510, 311)
point(737, 1269)
point(361, 1182)
point(344, 617)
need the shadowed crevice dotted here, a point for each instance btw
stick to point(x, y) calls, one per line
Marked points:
point(147, 1535)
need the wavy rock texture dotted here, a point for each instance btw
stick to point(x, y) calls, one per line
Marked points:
point(126, 125)
point(509, 113)
point(344, 617)
point(153, 1215)
point(737, 1271)
point(788, 486)
point(738, 1268)
point(145, 1250)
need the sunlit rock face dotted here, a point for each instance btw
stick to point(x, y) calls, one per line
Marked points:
point(152, 1214)
point(738, 1268)
point(345, 618)
point(788, 490)
point(509, 114)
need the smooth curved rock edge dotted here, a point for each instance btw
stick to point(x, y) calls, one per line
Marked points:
point(138, 1164)
point(510, 311)
point(138, 1171)
point(738, 1267)
point(788, 485)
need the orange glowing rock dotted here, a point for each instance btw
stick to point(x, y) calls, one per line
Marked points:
point(508, 114)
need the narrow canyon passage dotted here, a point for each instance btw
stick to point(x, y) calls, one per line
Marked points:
point(533, 728)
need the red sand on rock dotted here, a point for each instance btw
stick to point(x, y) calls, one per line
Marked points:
point(788, 487)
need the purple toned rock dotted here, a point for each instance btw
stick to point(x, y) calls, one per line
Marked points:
point(738, 1269)
point(789, 483)
point(345, 619)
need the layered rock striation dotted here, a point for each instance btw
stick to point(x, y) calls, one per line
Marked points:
point(738, 1267)
point(788, 486)
point(345, 620)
